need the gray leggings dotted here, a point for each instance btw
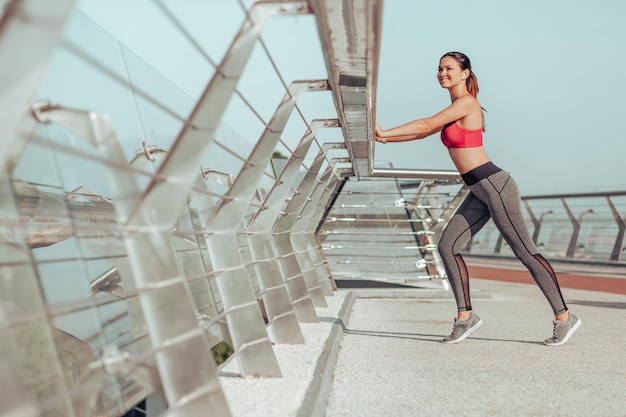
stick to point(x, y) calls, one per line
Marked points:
point(495, 197)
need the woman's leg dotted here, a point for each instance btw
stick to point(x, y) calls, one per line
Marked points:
point(501, 194)
point(468, 220)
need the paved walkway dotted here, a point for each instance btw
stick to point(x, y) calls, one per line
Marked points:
point(376, 352)
point(391, 362)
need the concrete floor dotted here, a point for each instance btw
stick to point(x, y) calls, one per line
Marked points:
point(391, 362)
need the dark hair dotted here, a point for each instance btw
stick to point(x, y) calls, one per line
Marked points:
point(472, 81)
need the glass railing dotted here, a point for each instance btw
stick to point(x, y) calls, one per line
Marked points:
point(160, 207)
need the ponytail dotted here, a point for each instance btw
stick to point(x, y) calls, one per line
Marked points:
point(472, 84)
point(472, 88)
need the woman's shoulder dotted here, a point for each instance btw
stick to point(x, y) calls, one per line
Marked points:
point(467, 101)
point(472, 101)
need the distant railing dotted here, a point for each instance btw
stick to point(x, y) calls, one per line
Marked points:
point(580, 227)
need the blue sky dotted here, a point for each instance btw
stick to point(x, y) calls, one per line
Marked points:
point(550, 72)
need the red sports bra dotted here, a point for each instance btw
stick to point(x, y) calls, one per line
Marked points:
point(454, 136)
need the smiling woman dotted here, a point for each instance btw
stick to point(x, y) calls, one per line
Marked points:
point(493, 195)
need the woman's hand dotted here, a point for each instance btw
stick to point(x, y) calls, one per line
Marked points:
point(379, 130)
point(379, 134)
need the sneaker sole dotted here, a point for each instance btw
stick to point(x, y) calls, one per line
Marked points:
point(567, 336)
point(466, 334)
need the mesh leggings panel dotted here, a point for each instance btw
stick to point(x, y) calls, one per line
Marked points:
point(553, 291)
point(464, 282)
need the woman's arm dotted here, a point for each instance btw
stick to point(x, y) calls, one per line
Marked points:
point(417, 129)
point(405, 138)
point(422, 128)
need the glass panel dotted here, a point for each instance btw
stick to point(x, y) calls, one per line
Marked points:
point(161, 107)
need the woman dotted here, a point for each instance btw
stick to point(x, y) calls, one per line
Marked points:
point(493, 194)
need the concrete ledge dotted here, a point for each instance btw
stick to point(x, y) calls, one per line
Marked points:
point(318, 393)
point(307, 370)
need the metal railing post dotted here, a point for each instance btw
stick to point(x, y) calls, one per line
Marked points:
point(576, 222)
point(223, 246)
point(313, 212)
point(302, 229)
point(33, 26)
point(621, 228)
point(281, 233)
point(259, 229)
point(14, 398)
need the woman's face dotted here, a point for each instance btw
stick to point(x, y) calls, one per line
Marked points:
point(449, 73)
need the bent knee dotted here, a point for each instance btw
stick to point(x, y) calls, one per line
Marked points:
point(452, 243)
point(446, 246)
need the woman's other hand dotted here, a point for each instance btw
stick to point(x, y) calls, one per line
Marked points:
point(379, 134)
point(379, 130)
